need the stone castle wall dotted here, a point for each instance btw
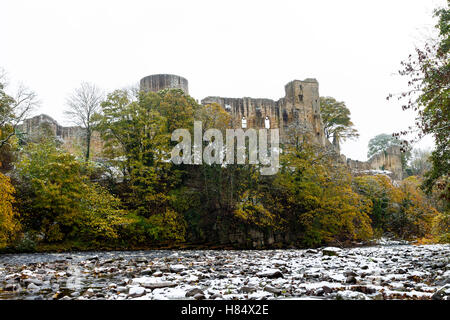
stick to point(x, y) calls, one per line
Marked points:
point(72, 138)
point(389, 160)
point(299, 108)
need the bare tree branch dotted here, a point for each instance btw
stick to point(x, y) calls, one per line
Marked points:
point(13, 110)
point(82, 105)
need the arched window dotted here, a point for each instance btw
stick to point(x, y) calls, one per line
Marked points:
point(267, 123)
point(244, 123)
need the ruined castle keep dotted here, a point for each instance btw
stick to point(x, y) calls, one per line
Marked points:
point(158, 82)
point(298, 110)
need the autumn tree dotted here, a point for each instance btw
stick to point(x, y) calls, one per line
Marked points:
point(316, 199)
point(137, 131)
point(82, 105)
point(428, 74)
point(403, 211)
point(441, 227)
point(8, 215)
point(336, 119)
point(58, 199)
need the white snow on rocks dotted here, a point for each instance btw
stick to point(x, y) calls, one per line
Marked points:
point(392, 270)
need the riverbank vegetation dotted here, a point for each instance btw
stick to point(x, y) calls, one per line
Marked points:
point(132, 197)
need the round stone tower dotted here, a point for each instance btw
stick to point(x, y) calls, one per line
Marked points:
point(157, 82)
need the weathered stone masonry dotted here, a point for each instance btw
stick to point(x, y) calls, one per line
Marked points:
point(72, 138)
point(299, 106)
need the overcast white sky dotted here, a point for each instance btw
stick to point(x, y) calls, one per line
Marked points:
point(225, 48)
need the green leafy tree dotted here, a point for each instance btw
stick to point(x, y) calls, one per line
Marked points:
point(336, 119)
point(428, 73)
point(318, 203)
point(137, 128)
point(60, 202)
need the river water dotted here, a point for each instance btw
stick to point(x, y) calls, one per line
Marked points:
point(376, 272)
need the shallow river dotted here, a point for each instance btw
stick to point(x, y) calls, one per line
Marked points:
point(377, 272)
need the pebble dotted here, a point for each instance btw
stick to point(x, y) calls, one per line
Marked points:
point(199, 296)
point(136, 291)
point(193, 292)
point(275, 291)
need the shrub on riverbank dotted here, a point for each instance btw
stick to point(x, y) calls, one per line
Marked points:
point(312, 201)
point(403, 210)
point(315, 195)
point(57, 201)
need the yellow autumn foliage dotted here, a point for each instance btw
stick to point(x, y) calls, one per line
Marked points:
point(402, 209)
point(58, 200)
point(8, 215)
point(317, 200)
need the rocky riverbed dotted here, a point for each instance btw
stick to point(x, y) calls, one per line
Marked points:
point(376, 272)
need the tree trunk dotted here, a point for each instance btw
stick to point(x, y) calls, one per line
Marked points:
point(88, 144)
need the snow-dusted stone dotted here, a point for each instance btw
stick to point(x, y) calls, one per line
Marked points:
point(337, 277)
point(278, 263)
point(193, 292)
point(136, 291)
point(175, 293)
point(11, 276)
point(34, 281)
point(152, 282)
point(351, 295)
point(33, 287)
point(258, 295)
point(199, 296)
point(273, 290)
point(247, 289)
point(192, 278)
point(270, 273)
point(89, 293)
point(442, 293)
point(146, 272)
point(177, 268)
point(122, 289)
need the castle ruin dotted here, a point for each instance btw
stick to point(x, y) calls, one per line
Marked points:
point(298, 110)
